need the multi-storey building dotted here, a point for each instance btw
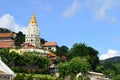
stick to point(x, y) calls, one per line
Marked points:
point(33, 33)
point(7, 40)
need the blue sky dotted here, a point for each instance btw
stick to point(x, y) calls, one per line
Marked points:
point(95, 22)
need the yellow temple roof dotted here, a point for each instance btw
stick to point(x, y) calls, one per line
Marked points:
point(33, 19)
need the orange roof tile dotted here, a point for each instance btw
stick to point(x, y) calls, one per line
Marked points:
point(6, 44)
point(64, 57)
point(51, 54)
point(5, 35)
point(50, 44)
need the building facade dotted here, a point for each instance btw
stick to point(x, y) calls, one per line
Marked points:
point(33, 33)
point(7, 40)
point(50, 46)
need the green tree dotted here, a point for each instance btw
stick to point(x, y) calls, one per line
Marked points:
point(75, 66)
point(64, 69)
point(117, 77)
point(109, 73)
point(65, 49)
point(20, 38)
point(109, 65)
point(78, 50)
point(27, 62)
point(100, 69)
point(62, 51)
point(42, 40)
point(93, 57)
point(117, 65)
point(80, 65)
point(82, 50)
point(20, 77)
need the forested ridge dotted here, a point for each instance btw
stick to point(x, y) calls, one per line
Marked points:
point(112, 60)
point(112, 66)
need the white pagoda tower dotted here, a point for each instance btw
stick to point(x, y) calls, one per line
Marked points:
point(33, 33)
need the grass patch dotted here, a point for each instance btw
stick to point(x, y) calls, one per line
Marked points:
point(23, 76)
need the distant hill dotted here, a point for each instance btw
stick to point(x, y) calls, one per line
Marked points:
point(4, 30)
point(111, 60)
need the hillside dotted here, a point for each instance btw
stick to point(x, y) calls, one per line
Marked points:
point(112, 64)
point(112, 60)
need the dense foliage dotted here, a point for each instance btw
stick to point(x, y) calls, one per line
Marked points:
point(78, 50)
point(25, 63)
point(62, 51)
point(84, 51)
point(110, 67)
point(75, 66)
point(42, 40)
point(93, 58)
point(20, 38)
point(34, 77)
point(117, 77)
point(4, 30)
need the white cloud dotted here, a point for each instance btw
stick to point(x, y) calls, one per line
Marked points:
point(73, 9)
point(103, 8)
point(109, 54)
point(8, 21)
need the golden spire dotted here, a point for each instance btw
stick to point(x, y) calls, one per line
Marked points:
point(33, 20)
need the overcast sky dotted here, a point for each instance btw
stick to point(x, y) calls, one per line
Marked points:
point(93, 22)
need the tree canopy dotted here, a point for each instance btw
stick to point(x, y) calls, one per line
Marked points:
point(117, 77)
point(78, 50)
point(75, 66)
point(27, 62)
point(82, 50)
point(62, 51)
point(20, 38)
point(42, 40)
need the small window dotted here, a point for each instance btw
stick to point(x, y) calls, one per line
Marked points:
point(31, 40)
point(49, 48)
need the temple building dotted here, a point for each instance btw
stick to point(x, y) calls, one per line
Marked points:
point(32, 39)
point(33, 33)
